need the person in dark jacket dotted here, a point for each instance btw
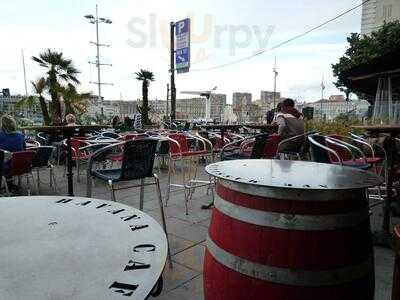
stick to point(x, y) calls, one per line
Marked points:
point(10, 139)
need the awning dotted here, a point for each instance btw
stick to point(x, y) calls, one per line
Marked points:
point(364, 77)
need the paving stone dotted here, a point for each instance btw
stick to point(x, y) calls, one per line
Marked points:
point(384, 261)
point(177, 276)
point(191, 258)
point(178, 244)
point(192, 290)
point(188, 231)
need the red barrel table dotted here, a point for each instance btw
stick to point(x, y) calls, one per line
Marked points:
point(287, 230)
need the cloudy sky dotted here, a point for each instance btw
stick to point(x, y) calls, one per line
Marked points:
point(222, 31)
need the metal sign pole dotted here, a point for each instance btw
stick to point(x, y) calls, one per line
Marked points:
point(172, 70)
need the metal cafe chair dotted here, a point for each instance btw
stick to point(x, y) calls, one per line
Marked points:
point(378, 163)
point(294, 147)
point(109, 134)
point(2, 161)
point(396, 272)
point(179, 151)
point(249, 148)
point(321, 151)
point(21, 166)
point(137, 164)
point(81, 152)
point(41, 161)
point(216, 145)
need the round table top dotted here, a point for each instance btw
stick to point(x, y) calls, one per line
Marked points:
point(55, 247)
point(298, 175)
point(261, 126)
point(65, 128)
point(103, 141)
point(222, 126)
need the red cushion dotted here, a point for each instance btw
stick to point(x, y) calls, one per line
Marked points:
point(374, 160)
point(190, 153)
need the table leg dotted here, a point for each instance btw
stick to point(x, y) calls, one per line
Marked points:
point(384, 237)
point(211, 204)
point(70, 175)
point(223, 136)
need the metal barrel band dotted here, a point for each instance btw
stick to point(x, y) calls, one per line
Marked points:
point(291, 277)
point(290, 221)
point(292, 194)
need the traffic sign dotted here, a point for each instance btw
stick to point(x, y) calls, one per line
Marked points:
point(182, 40)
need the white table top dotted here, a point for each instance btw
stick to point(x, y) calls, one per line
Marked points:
point(54, 247)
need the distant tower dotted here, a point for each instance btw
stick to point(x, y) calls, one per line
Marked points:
point(275, 71)
point(322, 93)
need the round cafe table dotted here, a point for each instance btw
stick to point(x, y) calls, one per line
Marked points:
point(78, 248)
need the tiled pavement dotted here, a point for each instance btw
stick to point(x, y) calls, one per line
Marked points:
point(188, 234)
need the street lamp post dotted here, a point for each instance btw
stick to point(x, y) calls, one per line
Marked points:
point(96, 20)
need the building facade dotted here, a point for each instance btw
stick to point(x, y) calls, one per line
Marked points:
point(218, 103)
point(330, 109)
point(8, 104)
point(111, 108)
point(158, 110)
point(241, 106)
point(191, 108)
point(376, 12)
point(267, 97)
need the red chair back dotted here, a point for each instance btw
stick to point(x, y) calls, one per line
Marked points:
point(396, 274)
point(76, 144)
point(343, 154)
point(21, 162)
point(271, 146)
point(182, 141)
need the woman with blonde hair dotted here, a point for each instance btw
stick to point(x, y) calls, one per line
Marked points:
point(10, 139)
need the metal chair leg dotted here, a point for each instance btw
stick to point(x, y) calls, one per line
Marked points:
point(141, 194)
point(164, 223)
point(6, 187)
point(78, 179)
point(89, 184)
point(169, 183)
point(111, 185)
point(28, 185)
point(53, 176)
point(33, 182)
point(38, 181)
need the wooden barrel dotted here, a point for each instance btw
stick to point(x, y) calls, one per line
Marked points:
point(289, 230)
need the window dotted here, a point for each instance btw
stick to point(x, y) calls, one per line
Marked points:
point(387, 12)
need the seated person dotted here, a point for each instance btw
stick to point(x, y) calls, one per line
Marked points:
point(289, 120)
point(10, 139)
point(70, 119)
point(291, 123)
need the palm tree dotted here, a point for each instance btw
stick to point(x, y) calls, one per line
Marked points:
point(75, 103)
point(31, 102)
point(59, 69)
point(39, 87)
point(146, 77)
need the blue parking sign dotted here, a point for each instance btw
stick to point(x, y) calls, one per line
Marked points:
point(182, 41)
